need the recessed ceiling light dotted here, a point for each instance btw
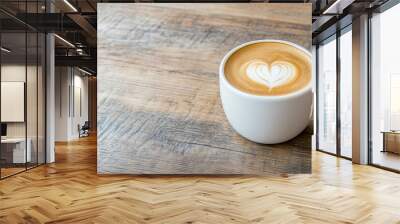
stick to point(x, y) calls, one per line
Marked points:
point(5, 50)
point(84, 71)
point(70, 5)
point(338, 6)
point(65, 41)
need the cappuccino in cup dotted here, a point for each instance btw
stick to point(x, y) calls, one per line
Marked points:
point(265, 89)
point(268, 69)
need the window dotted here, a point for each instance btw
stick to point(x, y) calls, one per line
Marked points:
point(346, 92)
point(394, 105)
point(333, 137)
point(327, 96)
point(385, 89)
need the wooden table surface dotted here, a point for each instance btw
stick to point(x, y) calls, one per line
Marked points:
point(159, 110)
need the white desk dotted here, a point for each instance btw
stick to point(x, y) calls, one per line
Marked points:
point(18, 149)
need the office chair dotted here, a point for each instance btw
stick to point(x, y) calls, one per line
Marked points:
point(84, 130)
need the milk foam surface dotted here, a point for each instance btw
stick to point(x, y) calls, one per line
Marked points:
point(268, 68)
point(271, 75)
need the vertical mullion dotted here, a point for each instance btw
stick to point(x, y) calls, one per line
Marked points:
point(69, 92)
point(317, 96)
point(60, 88)
point(369, 91)
point(0, 94)
point(26, 86)
point(73, 92)
point(45, 90)
point(37, 90)
point(338, 74)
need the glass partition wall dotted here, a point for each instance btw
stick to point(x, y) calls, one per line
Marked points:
point(385, 89)
point(13, 123)
point(22, 107)
point(334, 93)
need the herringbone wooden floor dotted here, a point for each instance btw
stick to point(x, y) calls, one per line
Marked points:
point(70, 191)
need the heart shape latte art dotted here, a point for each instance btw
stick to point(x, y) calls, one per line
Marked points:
point(271, 75)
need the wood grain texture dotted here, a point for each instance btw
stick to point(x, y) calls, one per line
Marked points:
point(159, 110)
point(70, 191)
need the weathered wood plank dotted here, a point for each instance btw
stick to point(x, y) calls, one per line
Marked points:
point(159, 110)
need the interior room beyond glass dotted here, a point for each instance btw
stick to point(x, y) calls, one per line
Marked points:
point(22, 77)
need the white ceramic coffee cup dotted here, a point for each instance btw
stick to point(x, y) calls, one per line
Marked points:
point(266, 119)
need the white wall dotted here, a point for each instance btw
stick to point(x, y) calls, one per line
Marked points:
point(33, 127)
point(79, 106)
point(70, 83)
point(62, 81)
point(13, 101)
point(12, 73)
